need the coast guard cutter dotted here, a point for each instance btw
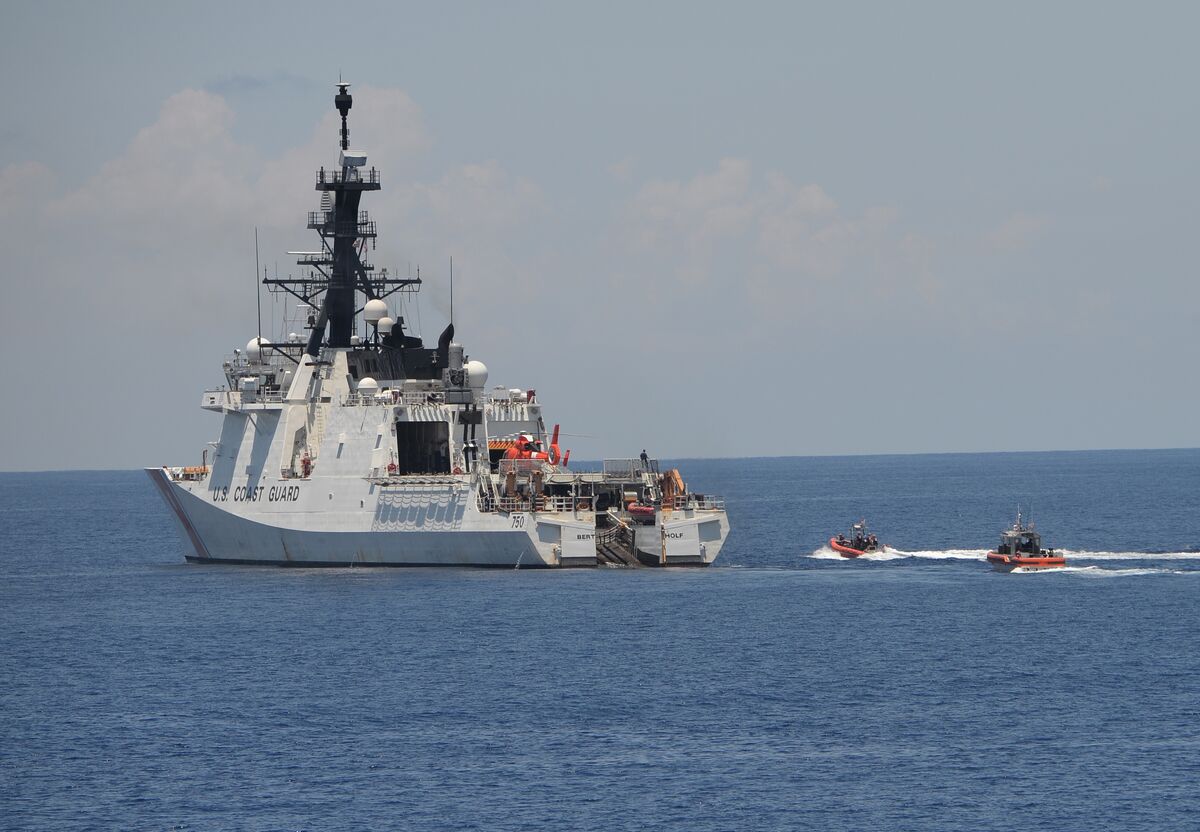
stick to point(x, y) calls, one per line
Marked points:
point(359, 445)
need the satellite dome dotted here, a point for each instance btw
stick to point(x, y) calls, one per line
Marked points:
point(294, 337)
point(385, 325)
point(367, 386)
point(254, 348)
point(374, 311)
point(355, 340)
point(477, 374)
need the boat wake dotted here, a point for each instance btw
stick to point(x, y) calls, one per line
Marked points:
point(1086, 555)
point(943, 554)
point(889, 553)
point(1085, 565)
point(1105, 572)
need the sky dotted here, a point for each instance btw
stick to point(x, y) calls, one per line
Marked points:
point(708, 230)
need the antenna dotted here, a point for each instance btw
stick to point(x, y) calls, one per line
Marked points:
point(257, 291)
point(343, 101)
point(452, 290)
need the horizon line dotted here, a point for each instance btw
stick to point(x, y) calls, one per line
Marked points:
point(723, 458)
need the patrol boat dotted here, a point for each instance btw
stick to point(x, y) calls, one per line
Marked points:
point(1020, 550)
point(858, 543)
point(359, 445)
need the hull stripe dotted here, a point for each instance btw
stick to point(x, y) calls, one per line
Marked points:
point(164, 487)
point(346, 564)
point(355, 564)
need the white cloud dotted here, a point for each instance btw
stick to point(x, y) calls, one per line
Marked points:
point(175, 211)
point(185, 164)
point(152, 256)
point(622, 170)
point(23, 186)
point(791, 244)
point(478, 198)
point(702, 211)
point(1018, 232)
point(483, 217)
point(801, 229)
point(685, 225)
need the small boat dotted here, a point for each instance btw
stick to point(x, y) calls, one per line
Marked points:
point(642, 513)
point(859, 542)
point(1021, 548)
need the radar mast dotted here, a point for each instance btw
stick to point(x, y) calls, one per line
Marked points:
point(339, 270)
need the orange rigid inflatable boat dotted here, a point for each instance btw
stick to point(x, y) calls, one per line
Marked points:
point(1021, 548)
point(843, 550)
point(858, 543)
point(1007, 563)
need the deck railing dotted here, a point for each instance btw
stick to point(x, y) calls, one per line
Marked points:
point(236, 398)
point(629, 468)
point(187, 473)
point(698, 502)
point(523, 466)
point(389, 397)
point(335, 176)
point(564, 504)
point(509, 504)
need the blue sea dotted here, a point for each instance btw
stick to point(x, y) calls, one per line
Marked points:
point(784, 688)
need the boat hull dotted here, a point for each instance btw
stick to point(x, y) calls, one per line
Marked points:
point(424, 529)
point(1012, 563)
point(846, 551)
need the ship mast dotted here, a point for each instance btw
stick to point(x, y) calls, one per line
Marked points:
point(338, 270)
point(341, 228)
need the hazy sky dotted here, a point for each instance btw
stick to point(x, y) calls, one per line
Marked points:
point(707, 230)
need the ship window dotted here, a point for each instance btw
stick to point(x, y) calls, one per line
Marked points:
point(422, 448)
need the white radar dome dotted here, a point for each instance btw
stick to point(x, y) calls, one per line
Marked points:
point(355, 340)
point(386, 325)
point(367, 386)
point(374, 311)
point(477, 374)
point(254, 348)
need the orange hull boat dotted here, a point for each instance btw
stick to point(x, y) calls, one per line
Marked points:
point(1007, 563)
point(843, 550)
point(1021, 548)
point(857, 543)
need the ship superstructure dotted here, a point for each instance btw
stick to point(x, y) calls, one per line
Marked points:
point(357, 444)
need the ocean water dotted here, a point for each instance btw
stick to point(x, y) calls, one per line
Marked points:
point(783, 688)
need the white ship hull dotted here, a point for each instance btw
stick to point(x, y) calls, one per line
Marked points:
point(410, 527)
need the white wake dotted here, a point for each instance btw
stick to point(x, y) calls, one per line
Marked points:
point(890, 553)
point(1083, 565)
point(1105, 572)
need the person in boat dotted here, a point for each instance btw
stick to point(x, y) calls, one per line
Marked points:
point(841, 539)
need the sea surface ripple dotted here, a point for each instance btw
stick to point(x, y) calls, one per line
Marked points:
point(785, 688)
